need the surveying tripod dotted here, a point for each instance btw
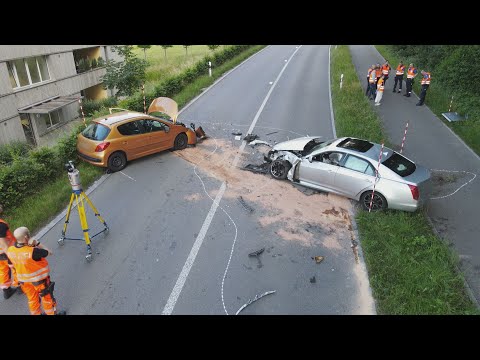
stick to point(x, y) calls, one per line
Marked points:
point(79, 195)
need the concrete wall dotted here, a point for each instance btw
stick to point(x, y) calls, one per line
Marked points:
point(11, 130)
point(5, 85)
point(61, 65)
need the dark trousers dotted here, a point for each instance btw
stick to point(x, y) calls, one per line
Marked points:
point(409, 84)
point(398, 79)
point(368, 86)
point(373, 90)
point(423, 93)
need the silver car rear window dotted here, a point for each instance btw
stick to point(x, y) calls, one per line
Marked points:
point(400, 165)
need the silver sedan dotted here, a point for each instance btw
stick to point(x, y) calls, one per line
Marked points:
point(348, 167)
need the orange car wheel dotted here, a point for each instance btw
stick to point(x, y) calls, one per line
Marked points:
point(181, 142)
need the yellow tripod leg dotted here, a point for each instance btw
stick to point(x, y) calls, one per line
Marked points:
point(84, 224)
point(61, 241)
point(97, 214)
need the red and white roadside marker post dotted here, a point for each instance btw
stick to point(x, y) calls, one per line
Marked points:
point(210, 68)
point(144, 101)
point(341, 81)
point(376, 177)
point(404, 137)
point(450, 107)
point(83, 115)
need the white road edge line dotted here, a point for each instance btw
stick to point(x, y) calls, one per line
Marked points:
point(332, 116)
point(177, 289)
point(121, 172)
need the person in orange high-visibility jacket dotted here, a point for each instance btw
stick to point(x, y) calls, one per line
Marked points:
point(385, 71)
point(369, 71)
point(29, 259)
point(373, 82)
point(426, 78)
point(8, 277)
point(399, 77)
point(411, 73)
point(380, 89)
point(379, 72)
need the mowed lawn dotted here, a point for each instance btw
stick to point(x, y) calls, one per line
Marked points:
point(177, 60)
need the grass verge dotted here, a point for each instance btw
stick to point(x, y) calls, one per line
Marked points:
point(438, 100)
point(39, 209)
point(161, 67)
point(411, 270)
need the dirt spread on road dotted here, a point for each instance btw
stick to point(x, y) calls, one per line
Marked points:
point(311, 219)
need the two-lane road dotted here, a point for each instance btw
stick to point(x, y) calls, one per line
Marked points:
point(169, 250)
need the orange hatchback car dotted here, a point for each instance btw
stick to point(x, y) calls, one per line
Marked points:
point(113, 140)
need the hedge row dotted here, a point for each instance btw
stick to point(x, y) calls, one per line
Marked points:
point(90, 106)
point(24, 175)
point(24, 171)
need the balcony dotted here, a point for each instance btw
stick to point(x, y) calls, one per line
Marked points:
point(88, 59)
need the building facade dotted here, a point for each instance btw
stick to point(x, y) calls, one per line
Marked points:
point(40, 86)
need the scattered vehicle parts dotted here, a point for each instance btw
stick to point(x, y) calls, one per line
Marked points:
point(254, 299)
point(245, 205)
point(256, 142)
point(313, 280)
point(236, 133)
point(271, 133)
point(318, 259)
point(262, 169)
point(250, 137)
point(256, 253)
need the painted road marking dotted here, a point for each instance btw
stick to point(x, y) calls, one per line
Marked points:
point(177, 289)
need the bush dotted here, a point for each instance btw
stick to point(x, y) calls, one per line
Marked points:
point(48, 157)
point(90, 106)
point(13, 150)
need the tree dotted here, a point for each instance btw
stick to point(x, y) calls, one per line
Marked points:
point(213, 47)
point(165, 47)
point(144, 47)
point(186, 49)
point(126, 76)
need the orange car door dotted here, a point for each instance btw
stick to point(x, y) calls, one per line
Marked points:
point(135, 139)
point(160, 137)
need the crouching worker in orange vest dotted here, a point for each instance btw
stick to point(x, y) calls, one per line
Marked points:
point(8, 278)
point(29, 259)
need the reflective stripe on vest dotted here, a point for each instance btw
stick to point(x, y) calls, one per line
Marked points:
point(385, 69)
point(426, 79)
point(411, 73)
point(28, 270)
point(381, 85)
point(10, 238)
point(400, 69)
point(369, 71)
point(373, 77)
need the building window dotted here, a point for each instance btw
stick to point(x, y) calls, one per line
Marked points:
point(51, 118)
point(29, 71)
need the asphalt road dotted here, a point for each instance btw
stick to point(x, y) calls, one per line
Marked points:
point(431, 143)
point(157, 210)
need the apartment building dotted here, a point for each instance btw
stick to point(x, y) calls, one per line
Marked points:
point(40, 86)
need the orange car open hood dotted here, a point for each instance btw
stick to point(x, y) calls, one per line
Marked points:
point(166, 106)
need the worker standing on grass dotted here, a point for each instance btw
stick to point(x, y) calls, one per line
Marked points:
point(411, 73)
point(399, 77)
point(380, 88)
point(426, 77)
point(386, 71)
point(373, 83)
point(29, 258)
point(369, 71)
point(8, 277)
